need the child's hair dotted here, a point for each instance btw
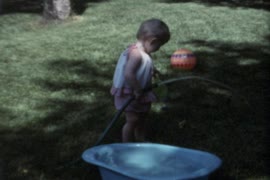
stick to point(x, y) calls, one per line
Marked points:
point(154, 28)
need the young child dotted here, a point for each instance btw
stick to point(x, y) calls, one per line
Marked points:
point(133, 73)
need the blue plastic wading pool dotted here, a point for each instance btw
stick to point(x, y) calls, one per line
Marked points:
point(149, 161)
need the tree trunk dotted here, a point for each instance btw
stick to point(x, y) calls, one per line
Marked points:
point(56, 9)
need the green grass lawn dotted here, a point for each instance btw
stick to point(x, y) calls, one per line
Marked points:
point(55, 82)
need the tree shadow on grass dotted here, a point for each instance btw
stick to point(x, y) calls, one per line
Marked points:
point(201, 116)
point(80, 121)
point(256, 4)
point(21, 6)
point(207, 117)
point(70, 124)
point(36, 6)
point(30, 153)
point(79, 6)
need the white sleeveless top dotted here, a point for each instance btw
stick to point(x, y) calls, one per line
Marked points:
point(144, 73)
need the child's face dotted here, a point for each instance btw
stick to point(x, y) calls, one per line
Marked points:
point(152, 45)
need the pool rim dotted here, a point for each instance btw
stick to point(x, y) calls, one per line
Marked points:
point(95, 162)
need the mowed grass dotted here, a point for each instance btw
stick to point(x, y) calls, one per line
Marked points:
point(55, 82)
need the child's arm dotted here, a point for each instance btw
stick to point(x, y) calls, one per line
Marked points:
point(132, 66)
point(156, 73)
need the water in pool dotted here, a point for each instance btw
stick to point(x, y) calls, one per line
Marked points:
point(154, 162)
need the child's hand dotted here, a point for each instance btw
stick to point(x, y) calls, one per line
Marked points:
point(156, 73)
point(138, 93)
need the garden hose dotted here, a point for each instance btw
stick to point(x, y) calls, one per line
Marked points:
point(153, 86)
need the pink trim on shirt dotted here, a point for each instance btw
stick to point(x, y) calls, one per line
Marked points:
point(148, 97)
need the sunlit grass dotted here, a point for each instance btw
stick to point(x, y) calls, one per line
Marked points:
point(55, 82)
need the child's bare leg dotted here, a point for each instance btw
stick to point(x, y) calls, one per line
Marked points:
point(140, 128)
point(128, 130)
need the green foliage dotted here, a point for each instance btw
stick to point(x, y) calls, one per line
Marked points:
point(55, 82)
